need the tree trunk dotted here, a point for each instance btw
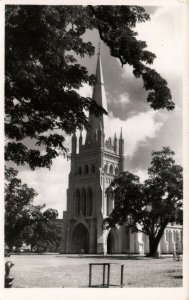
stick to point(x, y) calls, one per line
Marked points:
point(155, 240)
point(10, 247)
point(153, 245)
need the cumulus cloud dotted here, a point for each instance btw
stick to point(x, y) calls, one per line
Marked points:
point(120, 100)
point(164, 37)
point(143, 174)
point(85, 90)
point(51, 185)
point(137, 130)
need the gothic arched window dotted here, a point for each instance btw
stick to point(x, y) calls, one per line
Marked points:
point(111, 170)
point(89, 202)
point(77, 203)
point(79, 170)
point(83, 202)
point(116, 171)
point(92, 168)
point(86, 169)
point(105, 168)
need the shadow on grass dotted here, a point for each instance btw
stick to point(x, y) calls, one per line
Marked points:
point(106, 257)
point(171, 271)
point(110, 257)
point(178, 277)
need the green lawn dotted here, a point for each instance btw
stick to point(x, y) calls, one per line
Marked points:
point(73, 271)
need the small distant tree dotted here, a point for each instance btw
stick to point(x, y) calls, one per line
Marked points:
point(154, 204)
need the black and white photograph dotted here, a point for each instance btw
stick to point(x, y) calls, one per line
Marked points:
point(95, 150)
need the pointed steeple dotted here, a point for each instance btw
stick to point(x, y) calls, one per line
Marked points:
point(99, 96)
point(121, 152)
point(115, 143)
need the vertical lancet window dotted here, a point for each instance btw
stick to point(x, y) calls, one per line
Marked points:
point(86, 169)
point(89, 202)
point(77, 203)
point(83, 206)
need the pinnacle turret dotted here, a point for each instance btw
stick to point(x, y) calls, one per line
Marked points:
point(80, 141)
point(74, 143)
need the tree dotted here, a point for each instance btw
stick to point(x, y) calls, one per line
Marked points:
point(19, 209)
point(43, 235)
point(42, 73)
point(18, 205)
point(151, 206)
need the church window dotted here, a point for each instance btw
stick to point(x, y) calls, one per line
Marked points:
point(86, 169)
point(89, 202)
point(105, 168)
point(83, 202)
point(77, 203)
point(111, 169)
point(116, 171)
point(79, 170)
point(92, 168)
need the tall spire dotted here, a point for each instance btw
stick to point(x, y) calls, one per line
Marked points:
point(99, 91)
point(99, 95)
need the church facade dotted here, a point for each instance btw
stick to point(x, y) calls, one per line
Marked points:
point(94, 163)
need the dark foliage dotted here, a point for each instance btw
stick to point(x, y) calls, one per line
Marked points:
point(42, 74)
point(150, 206)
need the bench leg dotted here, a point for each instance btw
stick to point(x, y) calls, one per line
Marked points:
point(122, 268)
point(90, 267)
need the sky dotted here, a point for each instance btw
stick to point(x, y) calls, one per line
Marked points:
point(144, 130)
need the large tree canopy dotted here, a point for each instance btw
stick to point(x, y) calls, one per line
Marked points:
point(42, 73)
point(43, 235)
point(19, 209)
point(150, 206)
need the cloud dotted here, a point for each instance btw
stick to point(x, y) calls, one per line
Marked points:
point(85, 90)
point(164, 36)
point(51, 185)
point(143, 174)
point(120, 100)
point(137, 130)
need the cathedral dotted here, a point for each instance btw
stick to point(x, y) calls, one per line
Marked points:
point(94, 163)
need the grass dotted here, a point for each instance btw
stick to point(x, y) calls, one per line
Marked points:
point(73, 271)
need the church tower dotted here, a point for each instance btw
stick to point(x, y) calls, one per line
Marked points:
point(94, 163)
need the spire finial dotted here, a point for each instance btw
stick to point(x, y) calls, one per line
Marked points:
point(98, 48)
